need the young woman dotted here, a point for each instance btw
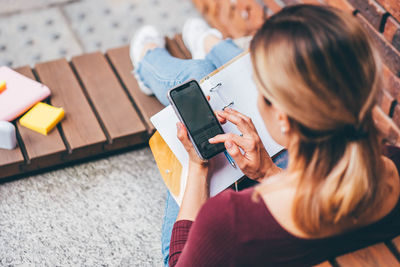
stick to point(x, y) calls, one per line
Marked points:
point(317, 76)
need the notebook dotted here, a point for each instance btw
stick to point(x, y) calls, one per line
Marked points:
point(231, 85)
point(20, 95)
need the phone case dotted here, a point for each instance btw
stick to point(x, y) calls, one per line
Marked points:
point(180, 118)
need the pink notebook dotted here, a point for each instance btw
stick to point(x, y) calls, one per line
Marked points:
point(21, 94)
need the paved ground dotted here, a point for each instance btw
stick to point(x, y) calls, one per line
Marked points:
point(37, 30)
point(106, 212)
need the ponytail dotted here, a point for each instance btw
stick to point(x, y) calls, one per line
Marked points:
point(340, 181)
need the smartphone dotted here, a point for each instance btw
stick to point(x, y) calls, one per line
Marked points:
point(194, 111)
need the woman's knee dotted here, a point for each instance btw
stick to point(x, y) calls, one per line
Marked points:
point(197, 70)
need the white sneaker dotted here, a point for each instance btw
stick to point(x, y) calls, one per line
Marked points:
point(193, 33)
point(143, 36)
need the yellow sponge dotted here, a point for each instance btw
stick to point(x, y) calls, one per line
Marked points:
point(3, 86)
point(42, 118)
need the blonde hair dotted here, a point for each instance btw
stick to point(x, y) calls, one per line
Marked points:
point(317, 64)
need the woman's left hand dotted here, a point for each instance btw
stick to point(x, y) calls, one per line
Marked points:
point(184, 138)
point(197, 186)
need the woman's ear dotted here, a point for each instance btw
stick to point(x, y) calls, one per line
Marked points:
point(283, 121)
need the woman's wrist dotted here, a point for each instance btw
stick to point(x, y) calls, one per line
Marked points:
point(200, 164)
point(271, 170)
point(198, 173)
point(196, 192)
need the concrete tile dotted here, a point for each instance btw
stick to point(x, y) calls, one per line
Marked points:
point(36, 36)
point(103, 24)
point(10, 6)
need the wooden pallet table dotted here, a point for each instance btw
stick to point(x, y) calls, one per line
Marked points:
point(105, 111)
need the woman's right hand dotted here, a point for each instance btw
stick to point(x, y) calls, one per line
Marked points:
point(255, 162)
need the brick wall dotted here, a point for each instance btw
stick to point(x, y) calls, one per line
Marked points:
point(381, 18)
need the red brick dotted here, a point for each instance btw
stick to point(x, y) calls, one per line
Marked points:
point(387, 126)
point(391, 82)
point(291, 2)
point(392, 6)
point(385, 101)
point(314, 2)
point(396, 115)
point(390, 56)
point(372, 11)
point(392, 32)
point(273, 5)
point(340, 4)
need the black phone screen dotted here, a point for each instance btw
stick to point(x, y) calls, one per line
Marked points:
point(198, 117)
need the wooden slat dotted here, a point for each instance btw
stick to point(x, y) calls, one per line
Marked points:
point(80, 127)
point(43, 151)
point(10, 161)
point(173, 48)
point(148, 105)
point(178, 39)
point(122, 123)
point(376, 255)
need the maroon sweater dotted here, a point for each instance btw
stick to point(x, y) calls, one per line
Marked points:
point(233, 230)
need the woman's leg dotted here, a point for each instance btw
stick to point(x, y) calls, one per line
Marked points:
point(223, 52)
point(160, 71)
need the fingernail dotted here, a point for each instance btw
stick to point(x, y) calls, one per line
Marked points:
point(228, 109)
point(211, 139)
point(178, 126)
point(228, 144)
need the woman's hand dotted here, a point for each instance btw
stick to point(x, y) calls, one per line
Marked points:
point(255, 161)
point(184, 138)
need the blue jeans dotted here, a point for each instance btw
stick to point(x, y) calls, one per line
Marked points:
point(160, 71)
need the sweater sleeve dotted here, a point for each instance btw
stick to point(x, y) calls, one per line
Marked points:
point(179, 236)
point(210, 240)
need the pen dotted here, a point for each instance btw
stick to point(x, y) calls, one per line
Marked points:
point(230, 159)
